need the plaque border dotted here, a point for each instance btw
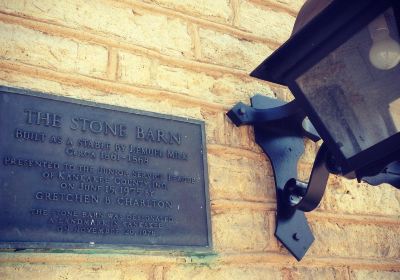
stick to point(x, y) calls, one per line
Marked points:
point(118, 246)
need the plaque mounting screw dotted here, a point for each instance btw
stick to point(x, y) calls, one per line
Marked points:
point(242, 111)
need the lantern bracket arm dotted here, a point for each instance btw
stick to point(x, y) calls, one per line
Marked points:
point(307, 196)
point(242, 114)
point(279, 129)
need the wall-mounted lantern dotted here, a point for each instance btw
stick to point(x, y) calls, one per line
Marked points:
point(342, 65)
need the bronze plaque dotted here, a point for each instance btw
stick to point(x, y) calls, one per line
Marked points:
point(78, 174)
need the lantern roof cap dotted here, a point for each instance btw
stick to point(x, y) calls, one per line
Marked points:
point(321, 26)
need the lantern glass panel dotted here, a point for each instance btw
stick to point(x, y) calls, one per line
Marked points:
point(355, 89)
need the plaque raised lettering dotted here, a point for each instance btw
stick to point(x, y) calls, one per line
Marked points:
point(76, 174)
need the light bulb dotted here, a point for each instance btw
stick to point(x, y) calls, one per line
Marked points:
point(385, 52)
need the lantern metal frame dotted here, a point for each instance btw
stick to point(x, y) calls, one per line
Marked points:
point(332, 27)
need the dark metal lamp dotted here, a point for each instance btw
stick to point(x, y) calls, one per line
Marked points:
point(342, 65)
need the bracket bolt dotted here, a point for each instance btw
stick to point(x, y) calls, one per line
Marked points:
point(242, 111)
point(296, 236)
point(294, 199)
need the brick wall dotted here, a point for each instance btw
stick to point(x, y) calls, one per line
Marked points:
point(192, 58)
